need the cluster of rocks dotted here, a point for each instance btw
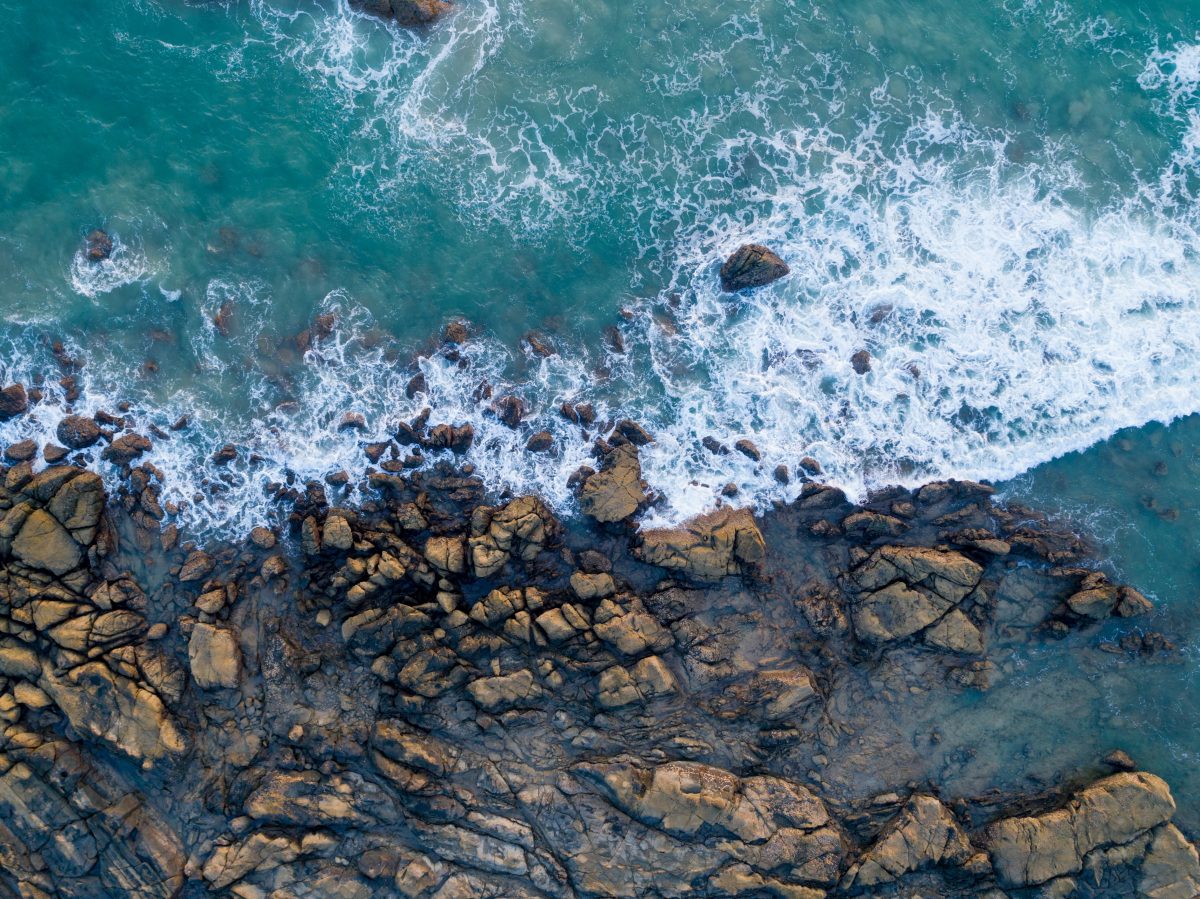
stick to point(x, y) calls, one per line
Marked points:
point(437, 694)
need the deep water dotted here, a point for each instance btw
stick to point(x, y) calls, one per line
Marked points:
point(996, 200)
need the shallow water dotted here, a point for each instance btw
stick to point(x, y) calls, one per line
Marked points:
point(997, 200)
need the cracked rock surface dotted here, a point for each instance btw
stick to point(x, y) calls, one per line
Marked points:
point(434, 694)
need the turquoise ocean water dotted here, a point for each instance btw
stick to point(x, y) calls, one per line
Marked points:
point(996, 199)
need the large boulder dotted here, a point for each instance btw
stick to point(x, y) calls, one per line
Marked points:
point(215, 657)
point(707, 548)
point(14, 401)
point(616, 491)
point(751, 265)
point(766, 822)
point(922, 835)
point(1028, 851)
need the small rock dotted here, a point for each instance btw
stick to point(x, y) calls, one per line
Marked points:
point(782, 475)
point(510, 410)
point(54, 453)
point(538, 345)
point(714, 446)
point(225, 454)
point(457, 331)
point(1119, 760)
point(539, 442)
point(861, 362)
point(633, 432)
point(810, 465)
point(352, 421)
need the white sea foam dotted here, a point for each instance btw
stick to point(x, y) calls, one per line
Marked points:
point(124, 265)
point(1006, 323)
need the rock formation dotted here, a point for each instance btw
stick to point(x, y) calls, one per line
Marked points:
point(435, 694)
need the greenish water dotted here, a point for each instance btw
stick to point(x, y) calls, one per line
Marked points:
point(997, 200)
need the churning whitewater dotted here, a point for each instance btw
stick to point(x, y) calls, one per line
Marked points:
point(1017, 299)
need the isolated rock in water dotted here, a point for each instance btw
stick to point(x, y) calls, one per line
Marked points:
point(707, 548)
point(408, 13)
point(99, 246)
point(77, 432)
point(751, 265)
point(616, 491)
point(13, 401)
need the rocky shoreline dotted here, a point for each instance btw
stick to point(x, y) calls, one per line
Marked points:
point(436, 694)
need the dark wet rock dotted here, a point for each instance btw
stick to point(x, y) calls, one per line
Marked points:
point(408, 13)
point(510, 409)
point(126, 448)
point(748, 449)
point(539, 442)
point(1119, 760)
point(416, 384)
point(810, 465)
point(225, 454)
point(782, 475)
point(21, 451)
point(538, 344)
point(632, 432)
point(14, 401)
point(861, 362)
point(352, 421)
point(580, 413)
point(614, 339)
point(54, 454)
point(453, 437)
point(77, 432)
point(714, 446)
point(98, 245)
point(752, 265)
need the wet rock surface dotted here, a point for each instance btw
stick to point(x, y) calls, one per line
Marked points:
point(438, 693)
point(752, 265)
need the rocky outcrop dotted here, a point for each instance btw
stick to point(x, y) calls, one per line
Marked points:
point(616, 491)
point(751, 265)
point(437, 694)
point(1121, 820)
point(721, 543)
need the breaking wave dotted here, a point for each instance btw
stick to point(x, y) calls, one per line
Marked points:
point(1013, 309)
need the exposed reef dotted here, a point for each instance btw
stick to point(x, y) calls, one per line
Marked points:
point(438, 692)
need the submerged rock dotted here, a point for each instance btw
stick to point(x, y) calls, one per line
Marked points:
point(751, 265)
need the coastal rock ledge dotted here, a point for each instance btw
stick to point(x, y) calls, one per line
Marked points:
point(436, 694)
point(408, 13)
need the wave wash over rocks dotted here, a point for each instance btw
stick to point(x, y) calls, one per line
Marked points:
point(428, 694)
